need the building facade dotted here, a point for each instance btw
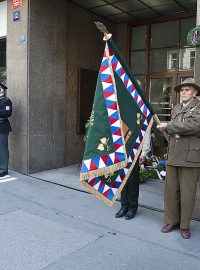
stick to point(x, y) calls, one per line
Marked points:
point(50, 53)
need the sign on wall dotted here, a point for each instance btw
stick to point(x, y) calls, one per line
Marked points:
point(16, 16)
point(16, 3)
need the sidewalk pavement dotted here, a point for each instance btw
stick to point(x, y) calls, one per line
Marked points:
point(151, 192)
point(46, 226)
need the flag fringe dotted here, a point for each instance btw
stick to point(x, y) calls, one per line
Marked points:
point(102, 197)
point(103, 171)
point(96, 193)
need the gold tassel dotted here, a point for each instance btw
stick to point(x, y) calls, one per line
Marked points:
point(103, 171)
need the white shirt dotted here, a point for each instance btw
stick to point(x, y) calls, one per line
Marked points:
point(147, 144)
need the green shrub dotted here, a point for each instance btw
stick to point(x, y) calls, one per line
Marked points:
point(87, 126)
point(89, 123)
point(146, 175)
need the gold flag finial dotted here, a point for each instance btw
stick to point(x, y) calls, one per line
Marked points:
point(103, 29)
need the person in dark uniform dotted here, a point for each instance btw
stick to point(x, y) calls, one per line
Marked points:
point(5, 128)
point(130, 192)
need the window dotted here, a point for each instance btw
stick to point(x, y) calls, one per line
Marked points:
point(172, 60)
point(139, 37)
point(138, 65)
point(186, 59)
point(160, 56)
point(163, 60)
point(164, 34)
point(162, 47)
point(138, 53)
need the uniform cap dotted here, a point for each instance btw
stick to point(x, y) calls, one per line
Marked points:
point(2, 85)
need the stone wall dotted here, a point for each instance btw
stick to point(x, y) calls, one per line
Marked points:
point(47, 84)
point(37, 85)
point(84, 50)
point(17, 78)
point(59, 39)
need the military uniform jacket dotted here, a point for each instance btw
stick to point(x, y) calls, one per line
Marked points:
point(5, 112)
point(184, 133)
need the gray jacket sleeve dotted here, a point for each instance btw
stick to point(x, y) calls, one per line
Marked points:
point(189, 127)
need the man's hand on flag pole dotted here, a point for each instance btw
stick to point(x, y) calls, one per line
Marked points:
point(142, 159)
point(162, 126)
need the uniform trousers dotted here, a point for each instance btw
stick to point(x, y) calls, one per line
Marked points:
point(4, 153)
point(179, 196)
point(130, 192)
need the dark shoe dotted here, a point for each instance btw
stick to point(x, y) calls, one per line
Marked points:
point(3, 174)
point(130, 214)
point(169, 228)
point(121, 212)
point(185, 233)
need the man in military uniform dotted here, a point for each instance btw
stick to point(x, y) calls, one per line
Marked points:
point(5, 128)
point(183, 164)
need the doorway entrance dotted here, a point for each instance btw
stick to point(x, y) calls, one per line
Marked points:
point(163, 98)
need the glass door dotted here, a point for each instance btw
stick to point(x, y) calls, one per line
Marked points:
point(162, 98)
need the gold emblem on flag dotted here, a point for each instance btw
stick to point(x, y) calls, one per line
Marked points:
point(139, 118)
point(126, 132)
point(108, 177)
point(104, 144)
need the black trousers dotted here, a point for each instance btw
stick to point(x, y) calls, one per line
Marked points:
point(130, 192)
point(4, 154)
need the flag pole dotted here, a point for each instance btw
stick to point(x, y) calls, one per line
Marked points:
point(106, 37)
point(157, 120)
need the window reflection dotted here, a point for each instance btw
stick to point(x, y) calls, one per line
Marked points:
point(187, 58)
point(164, 60)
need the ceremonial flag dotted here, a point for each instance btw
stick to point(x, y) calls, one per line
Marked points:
point(119, 121)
